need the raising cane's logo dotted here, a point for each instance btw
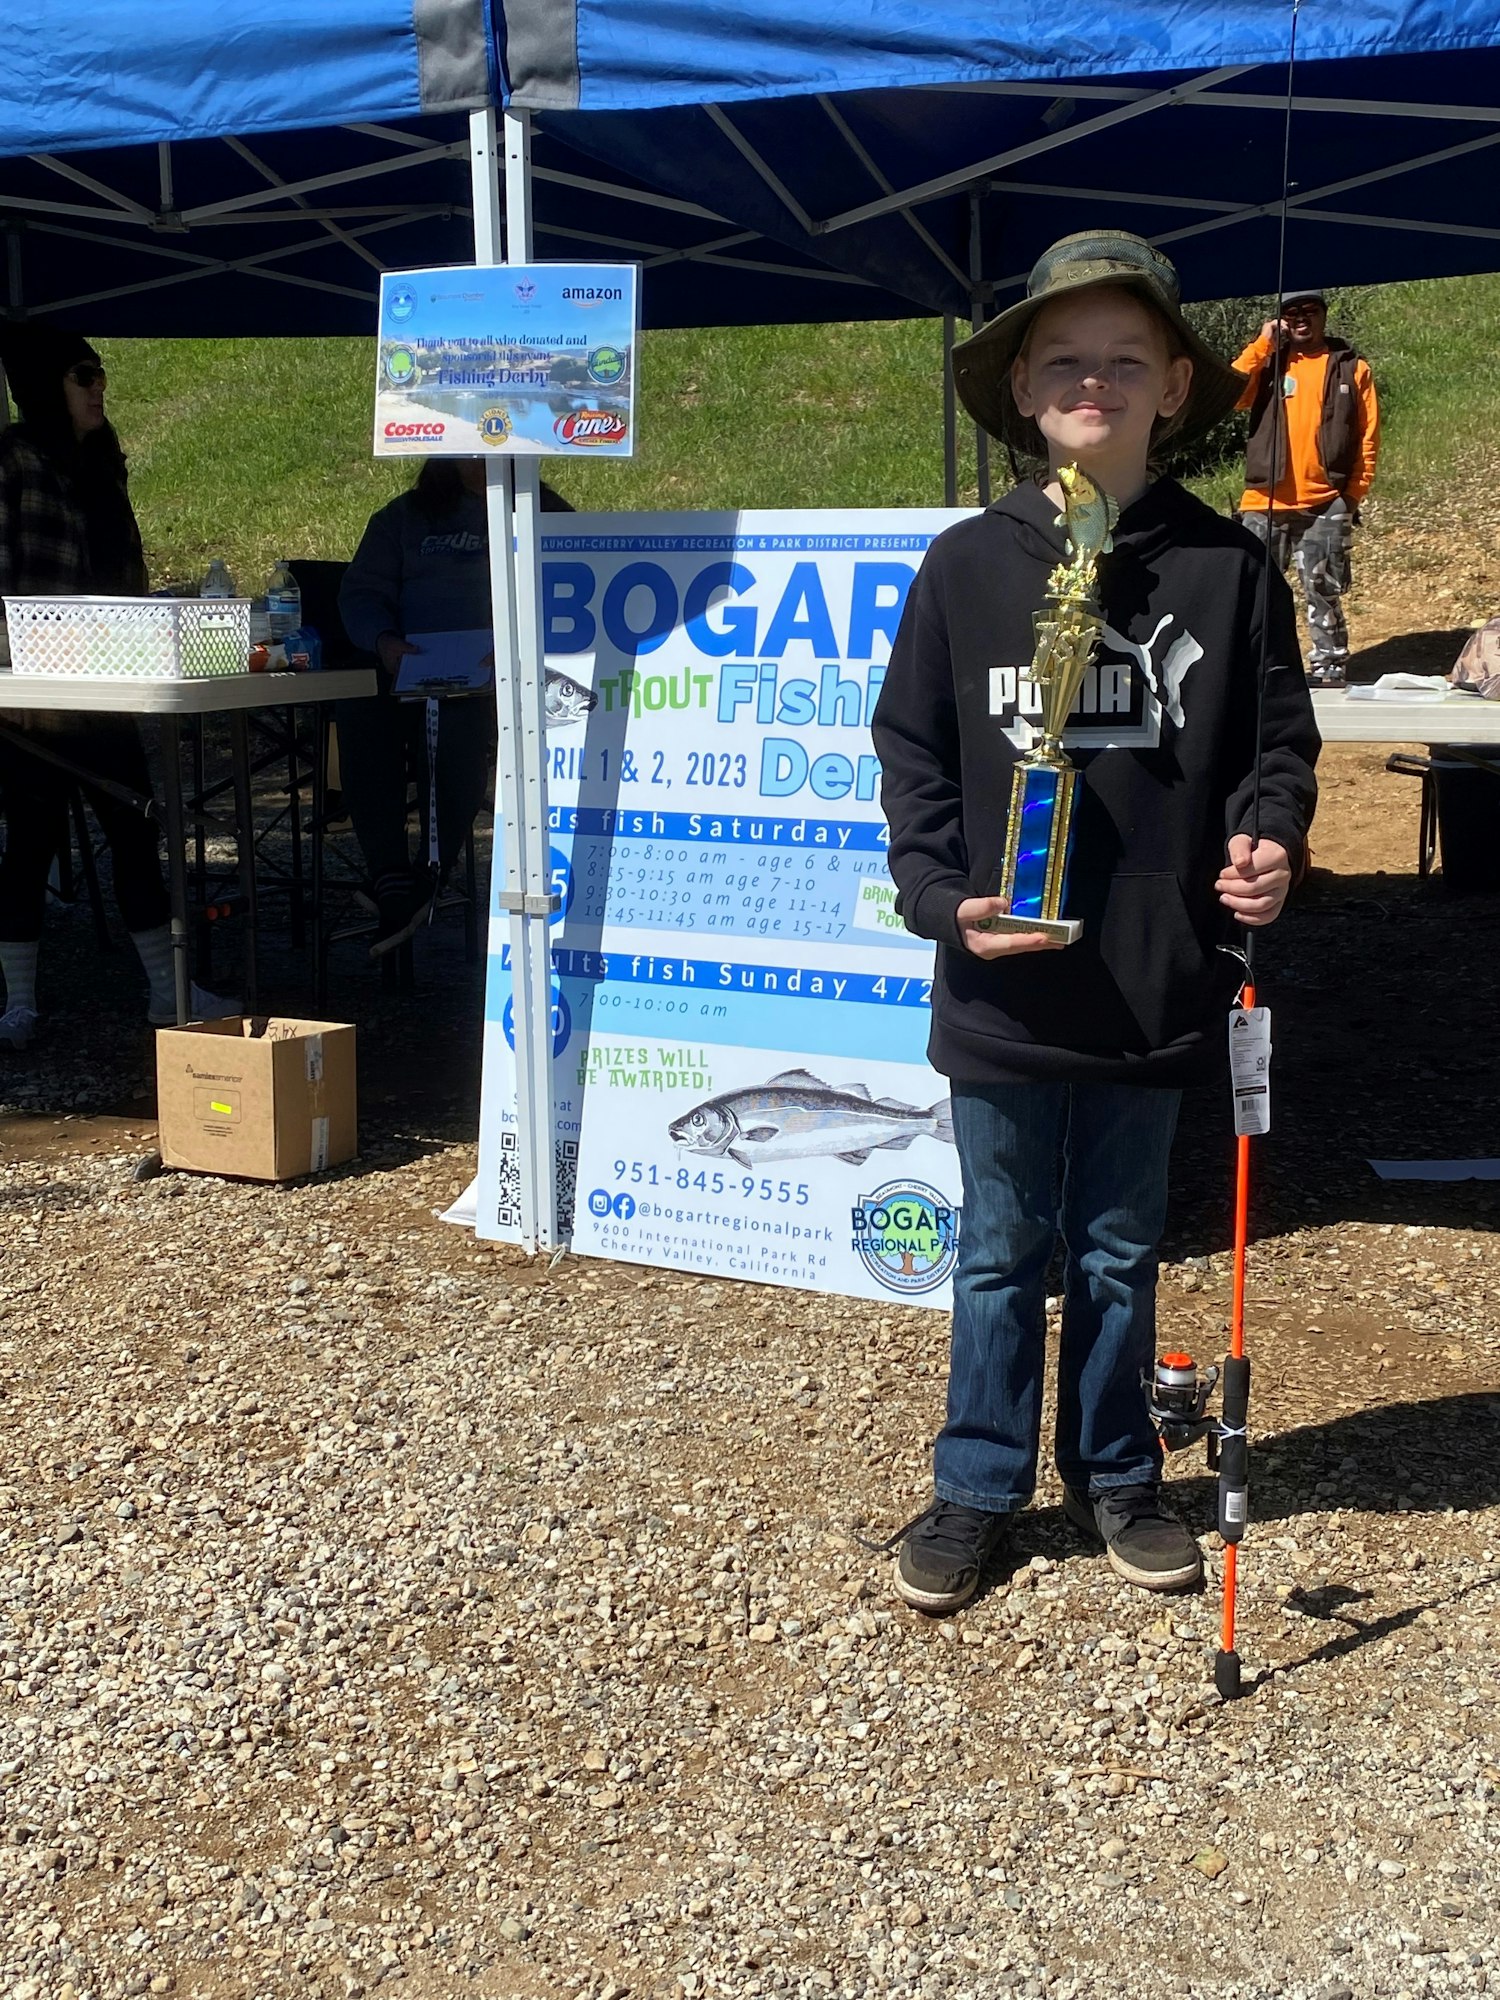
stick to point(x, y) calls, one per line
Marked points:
point(590, 427)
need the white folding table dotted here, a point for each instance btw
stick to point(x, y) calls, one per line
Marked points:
point(1458, 718)
point(232, 695)
point(1464, 726)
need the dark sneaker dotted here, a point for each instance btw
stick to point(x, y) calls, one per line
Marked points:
point(18, 1026)
point(943, 1554)
point(401, 917)
point(1144, 1544)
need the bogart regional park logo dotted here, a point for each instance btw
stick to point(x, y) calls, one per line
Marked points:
point(906, 1236)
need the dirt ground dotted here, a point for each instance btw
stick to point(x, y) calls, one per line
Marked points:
point(380, 1609)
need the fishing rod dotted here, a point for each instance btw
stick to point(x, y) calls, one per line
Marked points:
point(1178, 1395)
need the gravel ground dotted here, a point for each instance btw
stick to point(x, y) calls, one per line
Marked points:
point(380, 1608)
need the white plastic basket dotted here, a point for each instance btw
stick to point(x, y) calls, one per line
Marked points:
point(129, 638)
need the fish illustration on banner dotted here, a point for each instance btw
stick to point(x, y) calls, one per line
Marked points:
point(796, 1116)
point(566, 700)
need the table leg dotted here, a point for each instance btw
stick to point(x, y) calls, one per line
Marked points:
point(171, 744)
point(200, 857)
point(294, 796)
point(319, 835)
point(244, 842)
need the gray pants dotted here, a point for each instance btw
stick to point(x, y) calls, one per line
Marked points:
point(1317, 547)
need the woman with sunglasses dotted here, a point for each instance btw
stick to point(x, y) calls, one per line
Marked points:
point(67, 529)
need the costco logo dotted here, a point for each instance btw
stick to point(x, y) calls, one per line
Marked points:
point(428, 431)
point(591, 427)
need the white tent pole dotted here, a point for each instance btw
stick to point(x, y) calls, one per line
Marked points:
point(510, 805)
point(535, 997)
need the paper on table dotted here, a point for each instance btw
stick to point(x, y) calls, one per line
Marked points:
point(1437, 1170)
point(448, 663)
point(1403, 687)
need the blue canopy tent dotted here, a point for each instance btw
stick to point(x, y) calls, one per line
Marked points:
point(165, 169)
point(161, 171)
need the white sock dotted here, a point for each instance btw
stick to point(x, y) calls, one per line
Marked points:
point(18, 964)
point(155, 948)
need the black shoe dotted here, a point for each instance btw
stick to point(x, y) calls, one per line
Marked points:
point(401, 915)
point(943, 1554)
point(1144, 1545)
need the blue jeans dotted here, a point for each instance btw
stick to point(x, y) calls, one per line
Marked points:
point(1111, 1142)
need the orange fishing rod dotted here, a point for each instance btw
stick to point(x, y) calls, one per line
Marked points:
point(1229, 1443)
point(1232, 1436)
point(1177, 1394)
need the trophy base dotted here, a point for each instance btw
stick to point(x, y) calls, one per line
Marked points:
point(1066, 930)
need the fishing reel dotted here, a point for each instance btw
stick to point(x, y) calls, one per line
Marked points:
point(1177, 1397)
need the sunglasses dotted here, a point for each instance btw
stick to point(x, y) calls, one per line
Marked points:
point(85, 375)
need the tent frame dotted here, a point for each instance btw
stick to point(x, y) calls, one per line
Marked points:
point(316, 209)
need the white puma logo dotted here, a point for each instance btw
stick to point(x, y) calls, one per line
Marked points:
point(1181, 654)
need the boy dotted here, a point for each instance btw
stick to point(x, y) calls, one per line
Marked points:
point(1075, 1057)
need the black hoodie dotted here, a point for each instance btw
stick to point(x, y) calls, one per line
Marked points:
point(1170, 706)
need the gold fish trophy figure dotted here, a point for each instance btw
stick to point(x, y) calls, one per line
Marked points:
point(1038, 833)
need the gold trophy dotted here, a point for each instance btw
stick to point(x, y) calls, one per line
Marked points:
point(1038, 835)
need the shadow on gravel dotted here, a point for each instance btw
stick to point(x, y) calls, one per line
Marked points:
point(1397, 1459)
point(1359, 1632)
point(39, 1197)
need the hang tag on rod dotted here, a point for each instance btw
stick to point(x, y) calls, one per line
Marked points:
point(1250, 1069)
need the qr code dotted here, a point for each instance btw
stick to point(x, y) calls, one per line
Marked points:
point(508, 1184)
point(567, 1186)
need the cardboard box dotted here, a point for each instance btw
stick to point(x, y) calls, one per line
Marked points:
point(264, 1098)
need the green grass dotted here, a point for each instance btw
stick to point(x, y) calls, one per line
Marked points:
point(254, 449)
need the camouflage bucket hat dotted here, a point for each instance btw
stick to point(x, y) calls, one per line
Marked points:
point(982, 363)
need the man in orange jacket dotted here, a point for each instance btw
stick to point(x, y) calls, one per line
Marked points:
point(1310, 461)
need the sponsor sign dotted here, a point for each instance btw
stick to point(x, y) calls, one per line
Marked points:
point(739, 1018)
point(535, 359)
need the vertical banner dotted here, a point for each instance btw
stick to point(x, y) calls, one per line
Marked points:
point(739, 1018)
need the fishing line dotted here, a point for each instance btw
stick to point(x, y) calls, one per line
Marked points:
point(1233, 1440)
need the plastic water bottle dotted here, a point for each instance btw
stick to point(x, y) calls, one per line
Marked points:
point(283, 601)
point(217, 581)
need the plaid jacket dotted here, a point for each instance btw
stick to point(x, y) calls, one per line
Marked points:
point(43, 545)
point(43, 541)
